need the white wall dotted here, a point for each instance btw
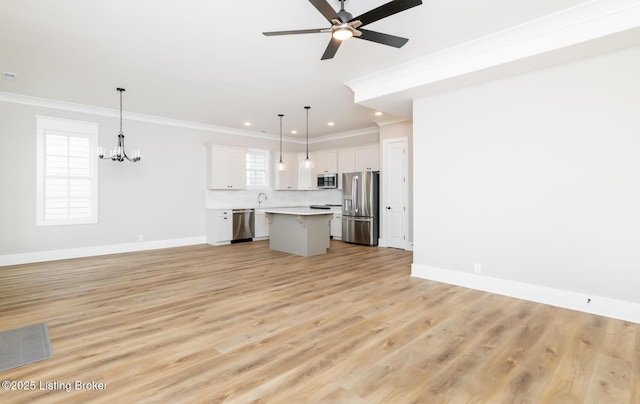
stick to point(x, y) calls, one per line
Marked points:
point(536, 177)
point(162, 197)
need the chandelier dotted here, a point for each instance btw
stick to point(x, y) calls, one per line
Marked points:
point(118, 154)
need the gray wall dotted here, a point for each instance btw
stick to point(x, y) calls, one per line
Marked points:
point(536, 177)
point(162, 197)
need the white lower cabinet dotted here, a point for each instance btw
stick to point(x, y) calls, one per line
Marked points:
point(262, 224)
point(219, 226)
point(336, 226)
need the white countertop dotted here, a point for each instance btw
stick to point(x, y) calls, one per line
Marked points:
point(301, 211)
point(265, 208)
point(256, 207)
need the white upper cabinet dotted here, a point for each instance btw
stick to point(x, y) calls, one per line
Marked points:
point(226, 167)
point(361, 158)
point(287, 179)
point(367, 158)
point(346, 161)
point(326, 161)
point(306, 176)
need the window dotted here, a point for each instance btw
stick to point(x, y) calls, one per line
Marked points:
point(257, 168)
point(67, 177)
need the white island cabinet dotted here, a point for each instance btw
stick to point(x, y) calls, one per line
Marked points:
point(300, 231)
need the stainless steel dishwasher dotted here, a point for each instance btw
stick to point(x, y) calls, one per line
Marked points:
point(244, 225)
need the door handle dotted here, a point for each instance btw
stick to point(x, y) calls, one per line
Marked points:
point(354, 191)
point(388, 207)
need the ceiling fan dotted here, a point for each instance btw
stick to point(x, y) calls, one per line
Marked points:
point(345, 26)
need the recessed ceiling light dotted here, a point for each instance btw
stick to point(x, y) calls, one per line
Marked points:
point(247, 124)
point(294, 132)
point(330, 123)
point(378, 113)
point(8, 75)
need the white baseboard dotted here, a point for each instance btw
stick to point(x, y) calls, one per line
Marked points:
point(52, 255)
point(604, 306)
point(219, 243)
point(408, 246)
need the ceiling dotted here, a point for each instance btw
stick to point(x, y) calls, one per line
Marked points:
point(207, 61)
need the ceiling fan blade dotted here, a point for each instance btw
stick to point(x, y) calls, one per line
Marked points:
point(385, 10)
point(294, 32)
point(331, 50)
point(385, 39)
point(325, 9)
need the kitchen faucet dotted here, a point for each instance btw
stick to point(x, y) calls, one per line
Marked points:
point(260, 195)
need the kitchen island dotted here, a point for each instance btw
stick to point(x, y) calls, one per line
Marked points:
point(301, 231)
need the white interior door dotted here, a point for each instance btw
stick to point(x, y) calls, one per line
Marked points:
point(395, 215)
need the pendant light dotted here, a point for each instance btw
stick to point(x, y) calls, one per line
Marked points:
point(307, 162)
point(280, 164)
point(118, 154)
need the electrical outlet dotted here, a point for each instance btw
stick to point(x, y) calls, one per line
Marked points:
point(477, 268)
point(140, 237)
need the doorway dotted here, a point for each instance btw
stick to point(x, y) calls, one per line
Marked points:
point(395, 191)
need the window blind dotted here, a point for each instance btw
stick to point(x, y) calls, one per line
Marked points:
point(257, 168)
point(67, 180)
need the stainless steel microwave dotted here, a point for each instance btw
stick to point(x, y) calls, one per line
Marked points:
point(327, 181)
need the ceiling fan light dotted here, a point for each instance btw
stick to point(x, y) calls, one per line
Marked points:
point(342, 33)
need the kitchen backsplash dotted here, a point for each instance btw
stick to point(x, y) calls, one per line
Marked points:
point(249, 199)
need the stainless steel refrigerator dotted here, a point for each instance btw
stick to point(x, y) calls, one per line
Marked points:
point(360, 213)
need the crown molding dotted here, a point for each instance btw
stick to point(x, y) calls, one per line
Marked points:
point(344, 135)
point(387, 122)
point(133, 116)
point(113, 113)
point(559, 31)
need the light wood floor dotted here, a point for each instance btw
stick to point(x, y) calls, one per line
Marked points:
point(241, 323)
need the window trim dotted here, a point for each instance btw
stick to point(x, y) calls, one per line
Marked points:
point(69, 127)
